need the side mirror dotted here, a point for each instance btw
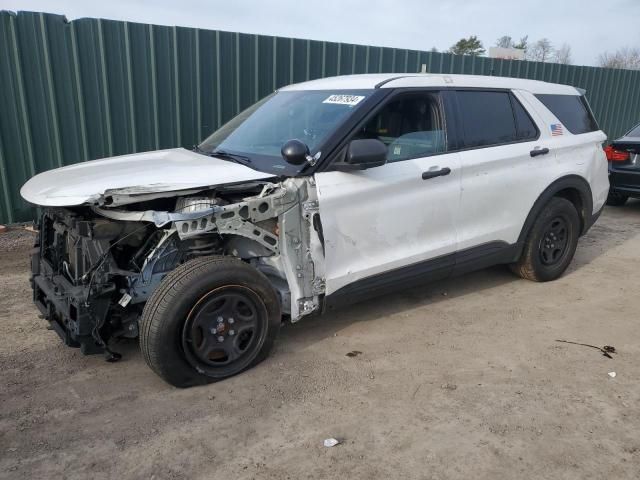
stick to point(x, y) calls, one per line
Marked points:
point(295, 152)
point(362, 154)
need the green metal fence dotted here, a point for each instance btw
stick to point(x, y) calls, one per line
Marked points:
point(90, 88)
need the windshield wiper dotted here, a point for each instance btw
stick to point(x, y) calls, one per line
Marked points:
point(241, 159)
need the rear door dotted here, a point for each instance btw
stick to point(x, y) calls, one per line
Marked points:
point(504, 158)
point(398, 215)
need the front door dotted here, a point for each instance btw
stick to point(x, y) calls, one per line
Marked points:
point(398, 215)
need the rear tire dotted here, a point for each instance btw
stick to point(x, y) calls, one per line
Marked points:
point(551, 242)
point(616, 199)
point(209, 319)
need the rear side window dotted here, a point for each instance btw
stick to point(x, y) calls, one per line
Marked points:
point(525, 127)
point(487, 118)
point(572, 111)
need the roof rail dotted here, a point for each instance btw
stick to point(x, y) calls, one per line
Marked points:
point(378, 85)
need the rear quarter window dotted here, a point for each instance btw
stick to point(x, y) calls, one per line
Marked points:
point(572, 110)
point(527, 130)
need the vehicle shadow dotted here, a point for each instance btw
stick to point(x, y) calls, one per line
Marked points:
point(310, 330)
point(616, 226)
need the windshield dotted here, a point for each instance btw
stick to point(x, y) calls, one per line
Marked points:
point(256, 135)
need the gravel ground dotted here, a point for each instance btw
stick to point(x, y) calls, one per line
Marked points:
point(460, 379)
point(15, 239)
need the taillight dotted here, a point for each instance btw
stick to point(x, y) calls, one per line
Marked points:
point(614, 155)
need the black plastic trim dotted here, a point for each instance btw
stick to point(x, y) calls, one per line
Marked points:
point(536, 152)
point(437, 173)
point(384, 82)
point(486, 255)
point(439, 268)
point(593, 219)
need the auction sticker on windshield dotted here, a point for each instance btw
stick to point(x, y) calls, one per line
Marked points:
point(350, 100)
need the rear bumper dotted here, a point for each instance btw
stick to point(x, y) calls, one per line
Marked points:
point(625, 180)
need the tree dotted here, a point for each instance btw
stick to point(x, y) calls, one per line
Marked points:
point(563, 55)
point(541, 51)
point(523, 43)
point(468, 46)
point(505, 42)
point(628, 58)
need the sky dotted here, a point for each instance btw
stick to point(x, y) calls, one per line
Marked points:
point(590, 27)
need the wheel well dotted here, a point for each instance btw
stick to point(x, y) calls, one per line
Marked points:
point(575, 197)
point(573, 188)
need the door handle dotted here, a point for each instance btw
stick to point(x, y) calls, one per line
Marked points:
point(436, 173)
point(538, 151)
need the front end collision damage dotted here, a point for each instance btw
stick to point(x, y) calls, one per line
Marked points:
point(94, 267)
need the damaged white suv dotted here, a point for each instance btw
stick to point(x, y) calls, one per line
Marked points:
point(324, 192)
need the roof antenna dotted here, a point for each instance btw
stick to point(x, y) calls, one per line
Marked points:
point(423, 69)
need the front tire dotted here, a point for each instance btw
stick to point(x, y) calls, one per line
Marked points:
point(616, 199)
point(551, 242)
point(209, 319)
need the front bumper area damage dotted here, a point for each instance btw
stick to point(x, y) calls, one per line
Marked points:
point(57, 270)
point(94, 267)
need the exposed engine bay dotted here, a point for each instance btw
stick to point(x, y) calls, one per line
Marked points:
point(95, 266)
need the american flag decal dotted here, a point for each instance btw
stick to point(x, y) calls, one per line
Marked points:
point(556, 129)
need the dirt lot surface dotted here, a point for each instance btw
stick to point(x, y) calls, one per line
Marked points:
point(461, 379)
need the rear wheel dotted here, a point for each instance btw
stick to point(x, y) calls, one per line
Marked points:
point(616, 199)
point(551, 242)
point(211, 318)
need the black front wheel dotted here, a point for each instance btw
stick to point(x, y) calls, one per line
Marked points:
point(211, 318)
point(551, 242)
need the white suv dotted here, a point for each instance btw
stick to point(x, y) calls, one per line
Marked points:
point(326, 191)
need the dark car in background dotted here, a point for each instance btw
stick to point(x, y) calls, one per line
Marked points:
point(623, 156)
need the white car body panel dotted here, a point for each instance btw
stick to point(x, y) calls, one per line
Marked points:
point(150, 172)
point(499, 186)
point(387, 217)
point(580, 155)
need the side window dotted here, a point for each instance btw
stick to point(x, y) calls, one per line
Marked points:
point(572, 111)
point(411, 126)
point(487, 118)
point(526, 129)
